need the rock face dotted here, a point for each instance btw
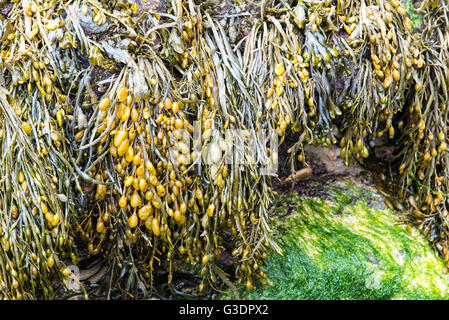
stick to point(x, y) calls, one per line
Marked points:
point(344, 243)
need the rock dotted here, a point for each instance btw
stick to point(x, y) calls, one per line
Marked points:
point(88, 25)
point(332, 154)
point(6, 9)
point(362, 253)
point(226, 259)
point(329, 158)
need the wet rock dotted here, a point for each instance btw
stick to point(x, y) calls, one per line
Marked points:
point(333, 154)
point(226, 259)
point(88, 25)
point(329, 158)
point(365, 253)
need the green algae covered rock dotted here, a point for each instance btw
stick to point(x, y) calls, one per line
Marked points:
point(345, 244)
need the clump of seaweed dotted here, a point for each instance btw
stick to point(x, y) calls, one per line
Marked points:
point(421, 159)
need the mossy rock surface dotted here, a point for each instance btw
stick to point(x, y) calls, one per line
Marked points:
point(345, 244)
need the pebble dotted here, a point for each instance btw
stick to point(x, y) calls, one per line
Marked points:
point(332, 155)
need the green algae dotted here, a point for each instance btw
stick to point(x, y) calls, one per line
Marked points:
point(414, 16)
point(345, 244)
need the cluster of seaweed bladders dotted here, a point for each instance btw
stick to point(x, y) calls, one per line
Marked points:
point(99, 99)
